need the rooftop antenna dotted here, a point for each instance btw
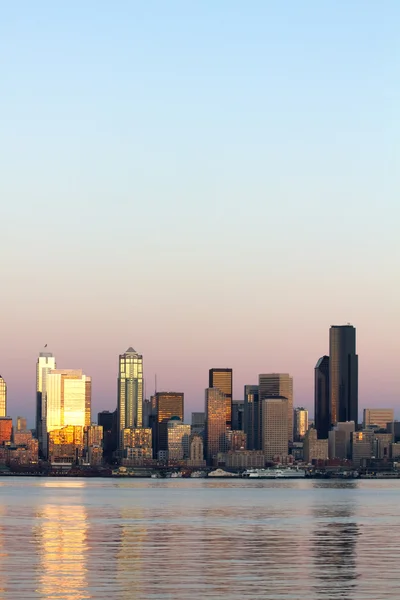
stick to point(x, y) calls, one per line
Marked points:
point(155, 384)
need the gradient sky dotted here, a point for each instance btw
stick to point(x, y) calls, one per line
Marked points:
point(214, 183)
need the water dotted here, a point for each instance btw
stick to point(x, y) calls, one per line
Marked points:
point(77, 539)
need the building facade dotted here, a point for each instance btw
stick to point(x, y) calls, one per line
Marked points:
point(3, 397)
point(215, 409)
point(196, 451)
point(343, 374)
point(274, 429)
point(130, 391)
point(6, 428)
point(222, 379)
point(300, 423)
point(68, 398)
point(199, 423)
point(252, 417)
point(236, 440)
point(321, 397)
point(314, 448)
point(168, 405)
point(380, 417)
point(280, 385)
point(178, 440)
point(45, 363)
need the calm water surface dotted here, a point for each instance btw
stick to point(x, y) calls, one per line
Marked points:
point(77, 539)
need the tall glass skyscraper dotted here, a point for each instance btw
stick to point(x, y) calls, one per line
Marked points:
point(3, 397)
point(215, 410)
point(252, 417)
point(222, 379)
point(321, 397)
point(343, 374)
point(130, 391)
point(278, 384)
point(68, 401)
point(45, 363)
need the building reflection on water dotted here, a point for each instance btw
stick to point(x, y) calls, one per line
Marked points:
point(61, 537)
point(334, 541)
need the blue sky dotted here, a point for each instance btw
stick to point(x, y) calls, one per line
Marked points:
point(210, 182)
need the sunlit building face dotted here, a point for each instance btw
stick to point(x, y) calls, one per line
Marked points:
point(178, 440)
point(222, 380)
point(216, 422)
point(68, 399)
point(130, 391)
point(3, 398)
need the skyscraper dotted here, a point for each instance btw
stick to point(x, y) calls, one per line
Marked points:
point(168, 405)
point(45, 363)
point(130, 391)
point(278, 384)
point(321, 397)
point(222, 379)
point(215, 409)
point(3, 397)
point(68, 399)
point(275, 416)
point(178, 439)
point(252, 417)
point(343, 374)
point(300, 423)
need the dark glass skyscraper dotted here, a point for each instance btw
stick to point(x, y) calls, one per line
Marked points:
point(343, 374)
point(252, 417)
point(321, 397)
point(222, 380)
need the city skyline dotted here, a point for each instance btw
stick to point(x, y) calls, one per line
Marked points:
point(195, 401)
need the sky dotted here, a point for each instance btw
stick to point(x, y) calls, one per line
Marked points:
point(214, 183)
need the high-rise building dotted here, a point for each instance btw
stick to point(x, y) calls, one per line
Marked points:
point(168, 405)
point(178, 439)
point(6, 428)
point(278, 384)
point(130, 391)
point(222, 379)
point(68, 401)
point(215, 409)
point(300, 424)
point(109, 421)
point(252, 417)
point(237, 415)
point(380, 417)
point(3, 397)
point(199, 423)
point(274, 427)
point(321, 397)
point(343, 374)
point(21, 424)
point(45, 363)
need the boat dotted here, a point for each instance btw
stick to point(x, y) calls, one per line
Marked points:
point(198, 474)
point(221, 473)
point(289, 473)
